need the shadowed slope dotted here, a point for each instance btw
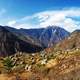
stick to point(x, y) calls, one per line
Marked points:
point(10, 43)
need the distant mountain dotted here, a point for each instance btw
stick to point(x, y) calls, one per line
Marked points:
point(22, 35)
point(29, 40)
point(47, 36)
point(11, 43)
point(71, 42)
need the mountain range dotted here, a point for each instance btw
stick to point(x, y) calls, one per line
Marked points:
point(49, 36)
point(34, 40)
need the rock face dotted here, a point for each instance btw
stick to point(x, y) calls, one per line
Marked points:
point(47, 36)
point(72, 42)
point(10, 43)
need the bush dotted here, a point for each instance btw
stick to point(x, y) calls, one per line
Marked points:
point(8, 64)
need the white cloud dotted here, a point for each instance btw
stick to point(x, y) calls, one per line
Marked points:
point(11, 23)
point(24, 25)
point(16, 24)
point(64, 18)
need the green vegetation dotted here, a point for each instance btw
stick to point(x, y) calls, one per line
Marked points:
point(8, 64)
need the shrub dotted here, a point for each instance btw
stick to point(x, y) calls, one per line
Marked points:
point(8, 64)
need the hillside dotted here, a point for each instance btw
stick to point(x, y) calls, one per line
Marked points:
point(71, 42)
point(63, 65)
point(23, 36)
point(10, 43)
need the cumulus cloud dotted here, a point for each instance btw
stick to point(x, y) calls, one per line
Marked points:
point(65, 18)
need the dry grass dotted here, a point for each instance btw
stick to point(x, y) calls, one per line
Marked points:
point(64, 66)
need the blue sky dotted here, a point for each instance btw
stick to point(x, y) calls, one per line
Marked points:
point(40, 13)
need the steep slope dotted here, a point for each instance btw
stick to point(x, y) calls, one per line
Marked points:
point(23, 36)
point(10, 43)
point(72, 42)
point(53, 35)
point(35, 33)
point(47, 36)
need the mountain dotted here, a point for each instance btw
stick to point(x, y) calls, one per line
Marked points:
point(21, 35)
point(47, 36)
point(71, 42)
point(29, 40)
point(11, 43)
